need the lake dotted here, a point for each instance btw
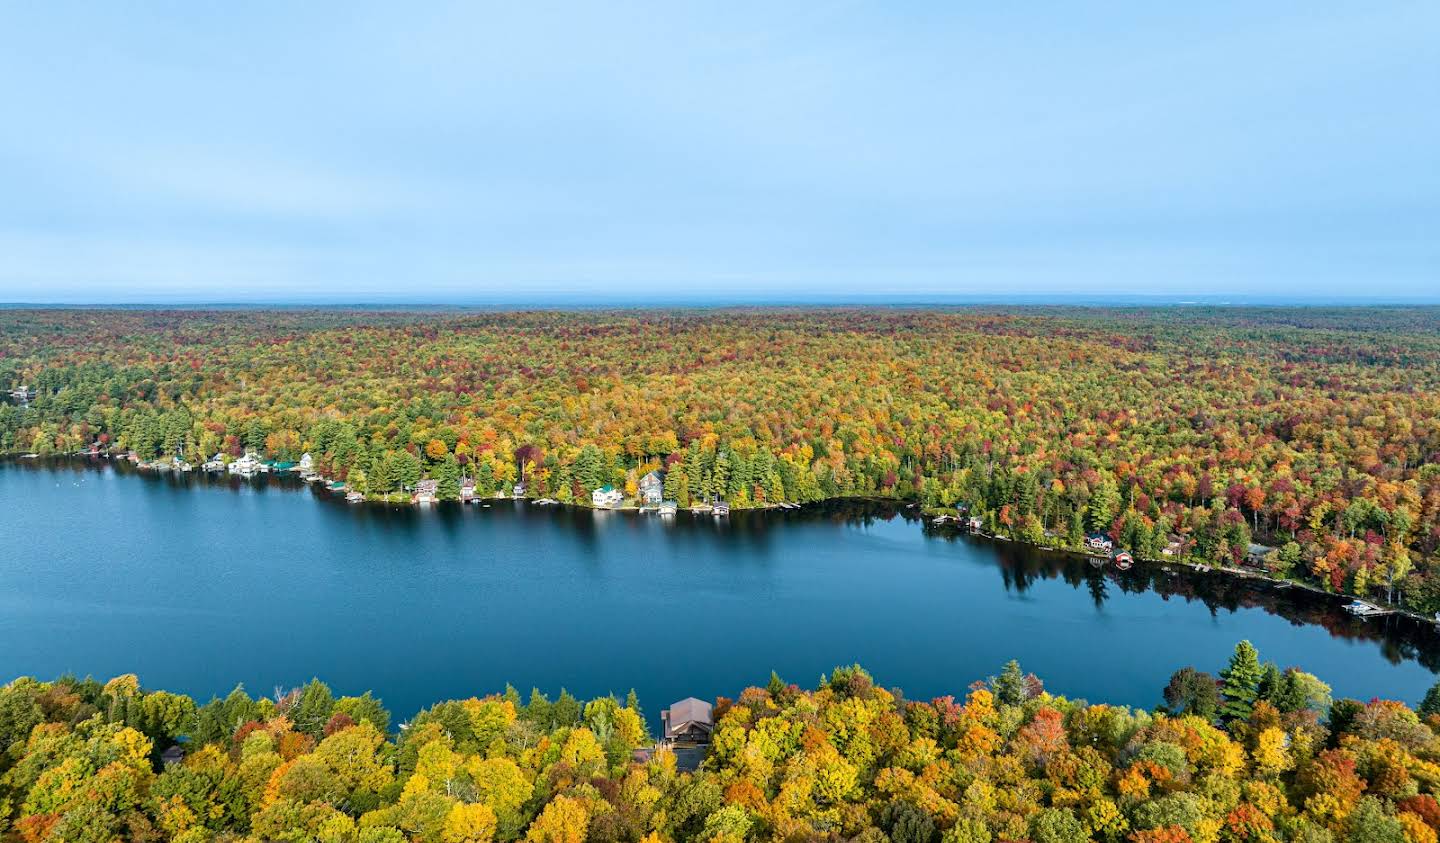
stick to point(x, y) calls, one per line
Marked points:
point(197, 583)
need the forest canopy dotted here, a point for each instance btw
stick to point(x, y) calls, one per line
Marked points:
point(1254, 754)
point(1312, 433)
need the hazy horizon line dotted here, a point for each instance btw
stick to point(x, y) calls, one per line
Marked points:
point(641, 302)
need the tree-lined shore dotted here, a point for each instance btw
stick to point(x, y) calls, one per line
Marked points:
point(1184, 433)
point(1258, 753)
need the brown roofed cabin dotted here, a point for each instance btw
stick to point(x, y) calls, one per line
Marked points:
point(689, 721)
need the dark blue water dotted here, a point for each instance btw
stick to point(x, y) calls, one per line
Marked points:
point(197, 584)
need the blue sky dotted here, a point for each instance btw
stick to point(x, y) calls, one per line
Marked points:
point(476, 151)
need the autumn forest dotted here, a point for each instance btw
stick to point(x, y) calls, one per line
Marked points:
point(1310, 436)
point(1254, 754)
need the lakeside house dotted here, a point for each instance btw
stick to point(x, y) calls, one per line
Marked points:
point(1255, 554)
point(1100, 542)
point(215, 463)
point(607, 497)
point(720, 508)
point(690, 720)
point(247, 466)
point(669, 507)
point(518, 490)
point(1171, 549)
point(22, 393)
point(467, 490)
point(426, 491)
point(306, 464)
point(652, 488)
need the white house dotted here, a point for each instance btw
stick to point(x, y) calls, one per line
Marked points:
point(246, 465)
point(306, 465)
point(606, 497)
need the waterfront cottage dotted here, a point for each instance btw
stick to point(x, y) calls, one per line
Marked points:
point(1255, 554)
point(1099, 541)
point(247, 465)
point(426, 491)
point(306, 464)
point(467, 490)
point(652, 488)
point(606, 497)
point(519, 490)
point(688, 721)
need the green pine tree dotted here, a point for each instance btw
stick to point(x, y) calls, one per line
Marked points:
point(1240, 682)
point(1010, 686)
point(447, 477)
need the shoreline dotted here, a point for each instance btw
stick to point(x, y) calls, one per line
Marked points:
point(938, 519)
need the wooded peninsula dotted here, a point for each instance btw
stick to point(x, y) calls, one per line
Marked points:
point(1255, 754)
point(1304, 441)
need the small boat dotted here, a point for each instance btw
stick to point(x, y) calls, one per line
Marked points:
point(354, 497)
point(720, 510)
point(1361, 609)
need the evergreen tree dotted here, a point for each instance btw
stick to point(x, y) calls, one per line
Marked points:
point(1240, 682)
point(447, 476)
point(1431, 704)
point(313, 708)
point(1293, 694)
point(1271, 684)
point(566, 710)
point(1104, 504)
point(1010, 686)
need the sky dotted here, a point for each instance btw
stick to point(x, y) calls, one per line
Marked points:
point(476, 151)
